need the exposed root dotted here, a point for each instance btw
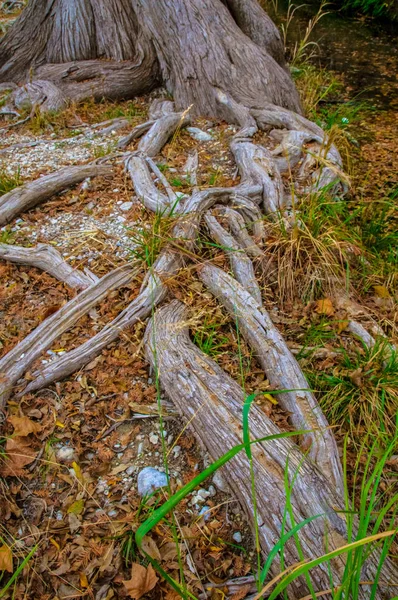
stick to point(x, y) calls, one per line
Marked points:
point(14, 364)
point(200, 389)
point(281, 368)
point(33, 193)
point(48, 259)
point(242, 266)
point(238, 227)
point(212, 402)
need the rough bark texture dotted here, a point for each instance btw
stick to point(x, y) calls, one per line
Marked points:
point(31, 194)
point(258, 26)
point(282, 371)
point(47, 259)
point(120, 48)
point(212, 402)
point(18, 360)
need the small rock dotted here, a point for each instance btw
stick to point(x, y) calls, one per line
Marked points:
point(212, 490)
point(86, 185)
point(237, 537)
point(149, 480)
point(112, 513)
point(220, 482)
point(66, 454)
point(205, 512)
point(130, 470)
point(154, 439)
point(200, 497)
point(125, 206)
point(198, 134)
point(177, 451)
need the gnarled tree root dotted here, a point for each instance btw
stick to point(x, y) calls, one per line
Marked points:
point(203, 393)
point(47, 258)
point(31, 194)
point(281, 369)
point(14, 364)
point(212, 402)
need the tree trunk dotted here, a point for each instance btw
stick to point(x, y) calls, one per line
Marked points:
point(121, 48)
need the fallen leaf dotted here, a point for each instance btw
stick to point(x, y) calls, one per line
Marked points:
point(341, 326)
point(149, 547)
point(6, 559)
point(242, 593)
point(381, 291)
point(107, 558)
point(77, 507)
point(324, 307)
point(78, 472)
point(83, 580)
point(356, 377)
point(270, 398)
point(23, 426)
point(18, 455)
point(74, 523)
point(142, 581)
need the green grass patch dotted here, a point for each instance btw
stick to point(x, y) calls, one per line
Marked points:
point(361, 392)
point(9, 181)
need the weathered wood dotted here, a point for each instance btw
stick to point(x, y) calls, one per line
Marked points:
point(256, 166)
point(242, 266)
point(100, 79)
point(258, 26)
point(31, 194)
point(14, 364)
point(161, 131)
point(47, 258)
point(238, 227)
point(144, 186)
point(200, 47)
point(152, 292)
point(137, 132)
point(281, 368)
point(212, 402)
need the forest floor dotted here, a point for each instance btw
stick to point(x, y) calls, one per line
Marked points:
point(68, 497)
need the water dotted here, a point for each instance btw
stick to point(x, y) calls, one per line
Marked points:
point(364, 51)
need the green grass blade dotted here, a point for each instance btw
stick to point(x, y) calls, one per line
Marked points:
point(303, 569)
point(18, 571)
point(279, 545)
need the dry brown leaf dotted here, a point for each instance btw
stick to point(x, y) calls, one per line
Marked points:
point(242, 593)
point(172, 595)
point(324, 307)
point(341, 326)
point(23, 426)
point(142, 581)
point(356, 377)
point(149, 546)
point(6, 559)
point(18, 455)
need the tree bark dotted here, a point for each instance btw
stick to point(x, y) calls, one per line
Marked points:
point(48, 259)
point(121, 48)
point(34, 192)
